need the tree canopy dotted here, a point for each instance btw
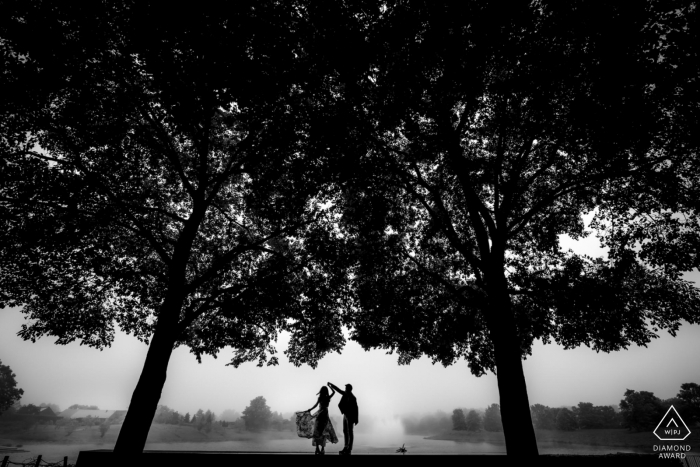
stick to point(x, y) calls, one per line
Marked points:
point(179, 175)
point(257, 415)
point(164, 183)
point(482, 136)
point(641, 410)
point(492, 418)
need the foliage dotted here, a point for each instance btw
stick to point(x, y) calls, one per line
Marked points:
point(689, 395)
point(168, 184)
point(543, 417)
point(473, 422)
point(203, 420)
point(238, 425)
point(589, 416)
point(14, 408)
point(85, 407)
point(472, 151)
point(492, 418)
point(257, 415)
point(586, 416)
point(9, 392)
point(182, 192)
point(566, 421)
point(279, 423)
point(166, 415)
point(187, 418)
point(29, 409)
point(459, 421)
point(641, 410)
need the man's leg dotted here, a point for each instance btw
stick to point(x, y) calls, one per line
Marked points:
point(350, 436)
point(346, 426)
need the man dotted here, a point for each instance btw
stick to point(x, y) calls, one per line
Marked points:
point(348, 407)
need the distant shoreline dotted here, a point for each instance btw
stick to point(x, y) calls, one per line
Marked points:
point(601, 437)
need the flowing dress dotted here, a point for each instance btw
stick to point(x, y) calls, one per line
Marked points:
point(317, 426)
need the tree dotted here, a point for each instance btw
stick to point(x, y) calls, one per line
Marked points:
point(641, 410)
point(167, 183)
point(473, 421)
point(480, 137)
point(164, 414)
point(29, 409)
point(82, 406)
point(543, 417)
point(586, 416)
point(187, 418)
point(459, 421)
point(566, 421)
point(492, 418)
point(589, 416)
point(277, 421)
point(257, 415)
point(689, 395)
point(9, 392)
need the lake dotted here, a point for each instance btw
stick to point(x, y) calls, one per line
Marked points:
point(364, 443)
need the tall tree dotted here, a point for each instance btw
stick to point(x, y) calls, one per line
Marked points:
point(641, 410)
point(159, 177)
point(257, 415)
point(480, 135)
point(473, 422)
point(9, 392)
point(459, 421)
point(492, 418)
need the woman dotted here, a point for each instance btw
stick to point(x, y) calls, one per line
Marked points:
point(322, 421)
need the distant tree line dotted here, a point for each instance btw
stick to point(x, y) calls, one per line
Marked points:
point(473, 421)
point(642, 410)
point(639, 411)
point(256, 417)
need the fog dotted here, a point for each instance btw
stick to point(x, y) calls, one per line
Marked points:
point(74, 374)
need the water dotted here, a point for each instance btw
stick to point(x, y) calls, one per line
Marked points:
point(386, 443)
point(364, 443)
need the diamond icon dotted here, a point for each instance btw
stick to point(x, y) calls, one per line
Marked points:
point(672, 427)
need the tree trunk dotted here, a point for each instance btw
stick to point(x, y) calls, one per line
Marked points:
point(144, 400)
point(515, 406)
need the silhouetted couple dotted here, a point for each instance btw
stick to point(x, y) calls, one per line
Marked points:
point(323, 429)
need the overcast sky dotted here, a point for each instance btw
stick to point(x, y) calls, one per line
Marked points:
point(72, 374)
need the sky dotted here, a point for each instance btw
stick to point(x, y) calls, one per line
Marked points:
point(74, 374)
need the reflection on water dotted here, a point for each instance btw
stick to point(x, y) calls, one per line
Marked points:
point(389, 438)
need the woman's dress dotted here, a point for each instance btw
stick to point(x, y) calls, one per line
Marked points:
point(317, 426)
